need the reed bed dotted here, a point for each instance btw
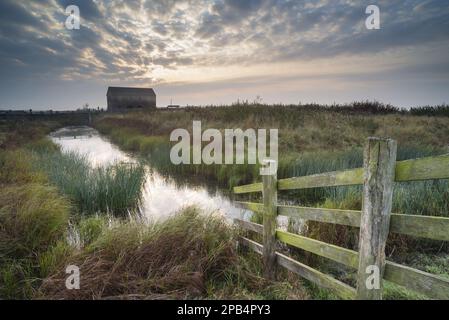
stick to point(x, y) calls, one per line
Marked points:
point(115, 189)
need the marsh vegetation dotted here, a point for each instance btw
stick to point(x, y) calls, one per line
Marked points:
point(57, 209)
point(312, 139)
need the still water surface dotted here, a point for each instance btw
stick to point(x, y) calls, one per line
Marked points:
point(162, 197)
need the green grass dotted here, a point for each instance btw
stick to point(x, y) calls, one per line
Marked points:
point(16, 168)
point(156, 150)
point(37, 202)
point(33, 218)
point(115, 189)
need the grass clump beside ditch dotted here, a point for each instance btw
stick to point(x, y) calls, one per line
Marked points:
point(45, 191)
point(115, 189)
point(190, 255)
point(33, 218)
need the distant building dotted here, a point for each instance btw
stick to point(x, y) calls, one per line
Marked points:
point(125, 99)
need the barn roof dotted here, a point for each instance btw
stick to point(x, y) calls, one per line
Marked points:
point(130, 91)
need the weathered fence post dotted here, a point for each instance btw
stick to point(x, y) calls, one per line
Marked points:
point(269, 221)
point(379, 168)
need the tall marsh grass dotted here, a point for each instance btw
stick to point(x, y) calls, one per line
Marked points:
point(33, 218)
point(115, 189)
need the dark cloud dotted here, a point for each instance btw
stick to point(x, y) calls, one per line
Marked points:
point(395, 33)
point(15, 18)
point(88, 8)
point(290, 27)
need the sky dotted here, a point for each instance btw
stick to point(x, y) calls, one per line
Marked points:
point(202, 52)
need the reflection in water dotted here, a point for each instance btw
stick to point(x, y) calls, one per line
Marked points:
point(162, 196)
point(87, 141)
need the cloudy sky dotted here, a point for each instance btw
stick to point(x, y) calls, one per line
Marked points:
point(219, 51)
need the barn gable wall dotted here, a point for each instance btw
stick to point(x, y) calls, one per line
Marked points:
point(132, 100)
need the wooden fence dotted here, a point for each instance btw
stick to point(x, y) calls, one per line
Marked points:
point(375, 220)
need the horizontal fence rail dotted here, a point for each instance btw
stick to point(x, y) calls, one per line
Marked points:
point(422, 282)
point(330, 179)
point(341, 289)
point(375, 221)
point(430, 227)
point(430, 168)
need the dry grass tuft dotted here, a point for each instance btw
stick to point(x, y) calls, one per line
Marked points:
point(187, 256)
